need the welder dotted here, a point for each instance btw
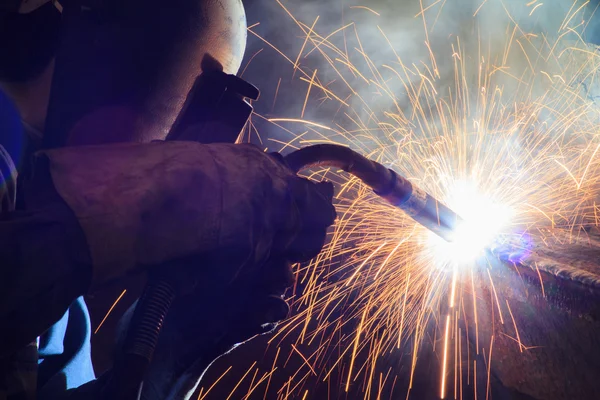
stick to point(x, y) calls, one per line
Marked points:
point(227, 220)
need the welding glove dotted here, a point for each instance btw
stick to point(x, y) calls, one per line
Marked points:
point(199, 328)
point(206, 324)
point(218, 208)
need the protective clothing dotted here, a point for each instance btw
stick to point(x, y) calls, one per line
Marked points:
point(238, 216)
point(224, 209)
point(38, 282)
point(142, 205)
point(224, 317)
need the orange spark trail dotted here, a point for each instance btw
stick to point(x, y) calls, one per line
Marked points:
point(489, 367)
point(304, 44)
point(214, 384)
point(312, 80)
point(496, 297)
point(445, 360)
point(109, 311)
point(356, 340)
point(241, 380)
point(515, 325)
point(366, 8)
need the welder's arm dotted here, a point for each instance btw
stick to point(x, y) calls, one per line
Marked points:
point(142, 205)
point(222, 210)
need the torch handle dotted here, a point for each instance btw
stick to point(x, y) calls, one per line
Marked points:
point(397, 190)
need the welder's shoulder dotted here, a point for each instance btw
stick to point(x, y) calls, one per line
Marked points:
point(8, 181)
point(11, 146)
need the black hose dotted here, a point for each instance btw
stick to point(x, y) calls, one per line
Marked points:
point(141, 339)
point(374, 175)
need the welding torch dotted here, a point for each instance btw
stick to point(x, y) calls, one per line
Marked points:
point(397, 190)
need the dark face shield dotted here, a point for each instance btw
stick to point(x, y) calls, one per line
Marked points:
point(216, 109)
point(124, 70)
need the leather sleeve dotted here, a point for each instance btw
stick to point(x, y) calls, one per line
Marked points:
point(139, 204)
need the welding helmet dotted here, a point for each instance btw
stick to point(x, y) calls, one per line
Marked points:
point(124, 69)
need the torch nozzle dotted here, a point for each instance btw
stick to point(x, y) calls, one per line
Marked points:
point(418, 204)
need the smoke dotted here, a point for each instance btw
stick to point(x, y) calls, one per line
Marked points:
point(464, 36)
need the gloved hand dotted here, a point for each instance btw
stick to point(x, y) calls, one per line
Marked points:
point(236, 216)
point(223, 209)
point(207, 324)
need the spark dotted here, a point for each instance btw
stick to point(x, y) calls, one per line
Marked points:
point(110, 310)
point(273, 368)
point(496, 296)
point(304, 44)
point(402, 313)
point(356, 340)
point(479, 8)
point(499, 130)
point(541, 280)
point(213, 384)
point(299, 120)
point(305, 360)
point(276, 93)
point(366, 8)
point(489, 368)
point(521, 346)
point(360, 267)
point(475, 378)
point(241, 380)
point(445, 361)
point(249, 61)
point(310, 84)
point(534, 8)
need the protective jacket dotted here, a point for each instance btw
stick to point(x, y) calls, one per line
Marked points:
point(60, 359)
